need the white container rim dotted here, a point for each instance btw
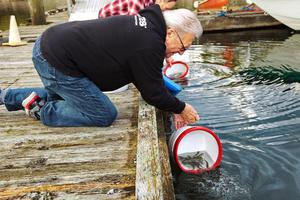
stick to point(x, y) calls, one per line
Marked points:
point(185, 132)
point(169, 66)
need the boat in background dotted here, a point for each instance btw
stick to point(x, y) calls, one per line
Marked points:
point(212, 4)
point(285, 11)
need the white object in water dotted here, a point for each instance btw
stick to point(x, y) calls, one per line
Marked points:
point(176, 70)
point(285, 11)
point(195, 140)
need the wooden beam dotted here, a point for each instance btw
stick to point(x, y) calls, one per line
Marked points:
point(37, 12)
point(153, 180)
point(40, 162)
point(167, 180)
point(236, 21)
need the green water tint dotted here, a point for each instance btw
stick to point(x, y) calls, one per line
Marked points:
point(270, 75)
point(195, 160)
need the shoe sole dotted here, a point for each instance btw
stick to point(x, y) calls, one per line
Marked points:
point(28, 101)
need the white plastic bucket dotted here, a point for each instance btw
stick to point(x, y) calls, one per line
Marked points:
point(176, 70)
point(195, 149)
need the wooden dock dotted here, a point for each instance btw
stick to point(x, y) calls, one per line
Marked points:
point(237, 21)
point(128, 160)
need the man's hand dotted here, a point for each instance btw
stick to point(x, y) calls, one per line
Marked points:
point(178, 121)
point(169, 60)
point(165, 5)
point(189, 114)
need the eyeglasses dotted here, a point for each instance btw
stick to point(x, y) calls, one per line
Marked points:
point(182, 45)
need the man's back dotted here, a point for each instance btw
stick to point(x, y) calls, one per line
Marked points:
point(113, 52)
point(102, 48)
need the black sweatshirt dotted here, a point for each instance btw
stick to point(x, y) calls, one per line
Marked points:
point(113, 52)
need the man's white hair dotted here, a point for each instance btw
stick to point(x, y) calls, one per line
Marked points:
point(184, 21)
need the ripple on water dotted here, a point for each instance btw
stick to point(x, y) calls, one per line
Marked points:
point(252, 102)
point(218, 184)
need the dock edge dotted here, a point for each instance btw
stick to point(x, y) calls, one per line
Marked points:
point(153, 171)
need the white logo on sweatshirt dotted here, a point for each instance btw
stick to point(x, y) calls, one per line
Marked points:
point(140, 21)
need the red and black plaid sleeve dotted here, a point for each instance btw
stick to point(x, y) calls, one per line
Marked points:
point(124, 7)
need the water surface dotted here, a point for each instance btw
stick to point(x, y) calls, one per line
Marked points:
point(246, 88)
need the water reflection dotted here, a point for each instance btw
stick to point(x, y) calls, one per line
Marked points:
point(247, 90)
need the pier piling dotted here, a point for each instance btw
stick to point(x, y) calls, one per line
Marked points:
point(37, 12)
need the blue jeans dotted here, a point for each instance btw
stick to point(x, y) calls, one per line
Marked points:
point(70, 101)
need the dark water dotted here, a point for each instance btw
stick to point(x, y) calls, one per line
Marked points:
point(246, 88)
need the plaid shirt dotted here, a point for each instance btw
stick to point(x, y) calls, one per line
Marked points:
point(124, 7)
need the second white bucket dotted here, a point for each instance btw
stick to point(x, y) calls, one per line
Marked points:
point(177, 70)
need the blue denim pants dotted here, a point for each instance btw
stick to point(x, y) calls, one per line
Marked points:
point(70, 101)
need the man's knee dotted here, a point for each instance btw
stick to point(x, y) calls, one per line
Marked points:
point(109, 117)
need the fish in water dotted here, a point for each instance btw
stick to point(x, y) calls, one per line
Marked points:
point(195, 160)
point(175, 75)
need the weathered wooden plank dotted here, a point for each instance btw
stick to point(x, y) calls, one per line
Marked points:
point(65, 152)
point(62, 174)
point(236, 21)
point(167, 180)
point(86, 190)
point(148, 171)
point(39, 162)
point(37, 12)
point(78, 163)
point(153, 180)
